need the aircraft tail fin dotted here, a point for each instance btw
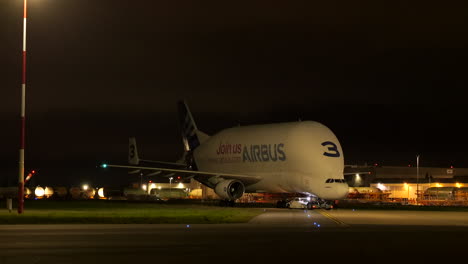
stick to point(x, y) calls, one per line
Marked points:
point(191, 136)
point(132, 152)
point(202, 136)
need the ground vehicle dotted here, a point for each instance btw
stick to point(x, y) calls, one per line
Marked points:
point(314, 205)
point(298, 203)
point(327, 206)
point(306, 203)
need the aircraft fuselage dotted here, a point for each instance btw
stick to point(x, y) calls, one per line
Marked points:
point(298, 157)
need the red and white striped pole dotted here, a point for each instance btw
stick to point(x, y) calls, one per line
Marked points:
point(23, 114)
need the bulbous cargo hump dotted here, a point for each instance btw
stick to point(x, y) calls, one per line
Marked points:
point(292, 146)
point(315, 148)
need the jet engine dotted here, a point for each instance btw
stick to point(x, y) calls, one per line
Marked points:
point(230, 189)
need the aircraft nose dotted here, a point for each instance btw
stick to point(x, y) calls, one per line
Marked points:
point(343, 190)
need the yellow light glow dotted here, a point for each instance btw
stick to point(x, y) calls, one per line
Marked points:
point(152, 186)
point(144, 187)
point(159, 187)
point(48, 191)
point(438, 185)
point(458, 185)
point(180, 185)
point(85, 187)
point(39, 192)
point(381, 186)
point(101, 192)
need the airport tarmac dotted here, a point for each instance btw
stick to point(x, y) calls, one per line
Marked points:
point(353, 217)
point(399, 217)
point(278, 234)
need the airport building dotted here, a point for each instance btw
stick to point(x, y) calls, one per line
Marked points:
point(366, 183)
point(408, 184)
point(363, 176)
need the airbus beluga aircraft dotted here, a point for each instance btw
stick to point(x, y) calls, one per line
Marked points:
point(294, 157)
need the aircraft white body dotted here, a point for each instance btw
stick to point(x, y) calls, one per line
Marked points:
point(295, 157)
point(289, 157)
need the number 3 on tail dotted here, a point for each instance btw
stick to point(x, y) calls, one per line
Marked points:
point(332, 149)
point(131, 152)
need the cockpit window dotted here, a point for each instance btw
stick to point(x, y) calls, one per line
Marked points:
point(335, 180)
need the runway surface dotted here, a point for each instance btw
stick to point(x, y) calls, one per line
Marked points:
point(277, 234)
point(352, 217)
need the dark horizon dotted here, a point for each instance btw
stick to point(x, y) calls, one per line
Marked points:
point(362, 143)
point(386, 78)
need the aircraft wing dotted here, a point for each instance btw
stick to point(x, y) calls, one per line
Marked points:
point(198, 175)
point(175, 164)
point(357, 172)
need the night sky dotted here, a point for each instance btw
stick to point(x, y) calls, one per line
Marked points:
point(386, 76)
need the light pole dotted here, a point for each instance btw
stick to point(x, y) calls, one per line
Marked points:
point(417, 179)
point(23, 119)
point(407, 189)
point(170, 186)
point(141, 179)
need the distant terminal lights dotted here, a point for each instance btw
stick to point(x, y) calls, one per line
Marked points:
point(85, 192)
point(161, 185)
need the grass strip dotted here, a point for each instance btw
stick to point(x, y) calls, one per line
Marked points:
point(106, 212)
